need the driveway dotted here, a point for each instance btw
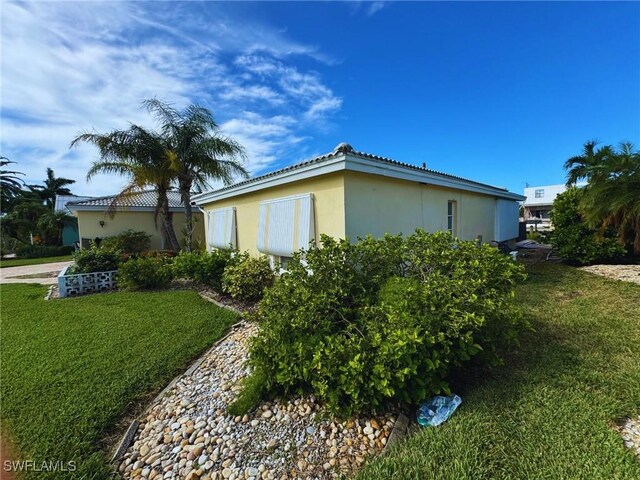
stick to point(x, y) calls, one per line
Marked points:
point(44, 273)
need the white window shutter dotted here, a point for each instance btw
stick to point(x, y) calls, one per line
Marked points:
point(221, 232)
point(286, 225)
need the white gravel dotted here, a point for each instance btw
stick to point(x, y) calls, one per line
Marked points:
point(626, 273)
point(188, 433)
point(630, 432)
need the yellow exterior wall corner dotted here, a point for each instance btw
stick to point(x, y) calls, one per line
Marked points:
point(377, 205)
point(89, 225)
point(329, 208)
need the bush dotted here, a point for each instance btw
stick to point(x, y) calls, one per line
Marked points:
point(166, 254)
point(577, 243)
point(202, 267)
point(145, 274)
point(39, 251)
point(94, 259)
point(361, 324)
point(130, 242)
point(246, 277)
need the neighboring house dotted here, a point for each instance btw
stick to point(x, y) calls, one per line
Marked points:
point(351, 194)
point(538, 203)
point(133, 212)
point(70, 233)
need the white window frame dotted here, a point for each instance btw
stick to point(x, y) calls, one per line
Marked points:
point(539, 192)
point(452, 217)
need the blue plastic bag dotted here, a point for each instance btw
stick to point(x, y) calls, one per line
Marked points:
point(437, 410)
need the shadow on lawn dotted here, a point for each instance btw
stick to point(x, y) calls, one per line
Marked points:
point(545, 351)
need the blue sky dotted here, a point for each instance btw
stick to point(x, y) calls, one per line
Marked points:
point(498, 92)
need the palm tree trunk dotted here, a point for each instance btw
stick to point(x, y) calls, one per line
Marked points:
point(185, 184)
point(166, 222)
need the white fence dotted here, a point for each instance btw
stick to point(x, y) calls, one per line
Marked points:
point(82, 283)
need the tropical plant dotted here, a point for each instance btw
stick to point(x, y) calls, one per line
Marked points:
point(10, 183)
point(197, 150)
point(383, 319)
point(140, 155)
point(202, 267)
point(51, 187)
point(246, 278)
point(51, 224)
point(576, 242)
point(611, 198)
point(94, 259)
point(129, 242)
point(145, 273)
point(21, 219)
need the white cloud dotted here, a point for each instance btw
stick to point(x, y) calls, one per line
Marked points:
point(306, 88)
point(375, 7)
point(68, 67)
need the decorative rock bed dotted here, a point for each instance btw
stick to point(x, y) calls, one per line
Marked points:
point(187, 433)
point(630, 432)
point(626, 273)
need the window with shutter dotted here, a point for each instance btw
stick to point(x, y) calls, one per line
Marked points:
point(221, 232)
point(286, 225)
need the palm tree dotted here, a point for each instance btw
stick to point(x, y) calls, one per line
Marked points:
point(140, 155)
point(52, 186)
point(10, 183)
point(54, 222)
point(611, 198)
point(197, 150)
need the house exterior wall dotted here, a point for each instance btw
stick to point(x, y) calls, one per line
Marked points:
point(89, 225)
point(377, 205)
point(328, 204)
point(546, 194)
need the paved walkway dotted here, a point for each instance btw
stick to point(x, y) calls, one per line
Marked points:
point(9, 274)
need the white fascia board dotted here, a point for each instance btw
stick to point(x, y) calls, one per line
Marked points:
point(403, 173)
point(308, 171)
point(356, 164)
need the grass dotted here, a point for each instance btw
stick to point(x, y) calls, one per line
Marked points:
point(20, 262)
point(549, 412)
point(72, 369)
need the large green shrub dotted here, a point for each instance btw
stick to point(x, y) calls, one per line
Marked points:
point(129, 242)
point(145, 273)
point(95, 259)
point(39, 251)
point(576, 242)
point(361, 324)
point(245, 278)
point(202, 267)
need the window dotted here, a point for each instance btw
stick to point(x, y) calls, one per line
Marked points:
point(221, 231)
point(286, 225)
point(451, 217)
point(539, 192)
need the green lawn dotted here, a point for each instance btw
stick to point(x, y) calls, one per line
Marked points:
point(19, 262)
point(548, 412)
point(71, 369)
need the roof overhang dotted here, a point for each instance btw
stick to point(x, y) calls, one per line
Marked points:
point(104, 209)
point(354, 163)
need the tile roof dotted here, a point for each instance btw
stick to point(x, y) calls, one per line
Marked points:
point(342, 149)
point(146, 199)
point(62, 200)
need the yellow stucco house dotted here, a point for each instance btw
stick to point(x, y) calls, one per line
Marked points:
point(351, 194)
point(133, 212)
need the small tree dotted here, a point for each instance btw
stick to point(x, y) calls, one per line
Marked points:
point(51, 187)
point(611, 200)
point(576, 241)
